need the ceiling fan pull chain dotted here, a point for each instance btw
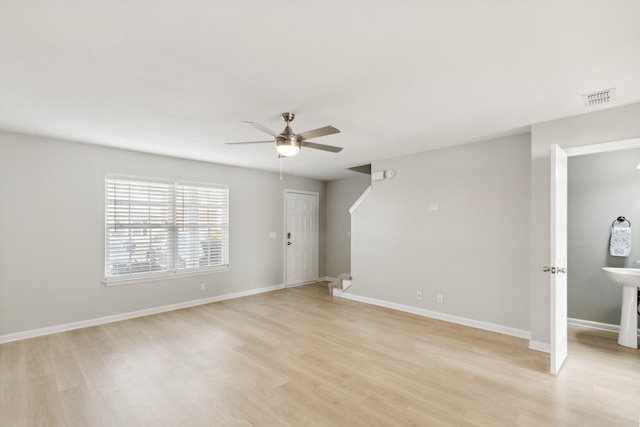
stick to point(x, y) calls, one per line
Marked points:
point(280, 168)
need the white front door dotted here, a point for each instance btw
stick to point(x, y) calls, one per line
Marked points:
point(558, 266)
point(301, 237)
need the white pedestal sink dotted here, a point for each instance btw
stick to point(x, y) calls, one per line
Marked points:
point(629, 279)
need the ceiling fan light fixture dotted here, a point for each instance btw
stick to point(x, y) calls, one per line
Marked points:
point(287, 150)
point(287, 147)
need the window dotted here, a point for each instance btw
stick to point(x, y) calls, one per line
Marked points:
point(159, 228)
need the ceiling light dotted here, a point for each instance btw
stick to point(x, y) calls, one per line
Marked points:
point(287, 150)
point(287, 147)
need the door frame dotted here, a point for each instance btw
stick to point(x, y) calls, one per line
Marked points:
point(570, 152)
point(284, 232)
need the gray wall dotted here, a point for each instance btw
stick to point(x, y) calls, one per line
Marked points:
point(474, 249)
point(608, 125)
point(601, 188)
point(52, 231)
point(341, 195)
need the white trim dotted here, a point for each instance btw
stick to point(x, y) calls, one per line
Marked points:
point(141, 178)
point(546, 348)
point(540, 346)
point(313, 282)
point(602, 147)
point(519, 333)
point(335, 292)
point(361, 199)
point(164, 276)
point(589, 324)
point(124, 316)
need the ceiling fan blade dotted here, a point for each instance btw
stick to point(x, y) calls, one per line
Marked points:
point(322, 147)
point(327, 130)
point(248, 142)
point(260, 127)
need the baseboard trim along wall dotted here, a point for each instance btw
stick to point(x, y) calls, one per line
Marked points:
point(533, 345)
point(540, 346)
point(124, 316)
point(320, 279)
point(519, 333)
point(595, 325)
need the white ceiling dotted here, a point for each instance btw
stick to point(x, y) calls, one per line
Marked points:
point(396, 77)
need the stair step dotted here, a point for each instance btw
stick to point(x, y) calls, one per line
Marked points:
point(340, 283)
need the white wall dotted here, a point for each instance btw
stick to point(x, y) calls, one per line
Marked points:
point(52, 232)
point(597, 127)
point(474, 250)
point(341, 195)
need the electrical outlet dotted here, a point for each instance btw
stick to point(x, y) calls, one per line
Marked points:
point(419, 295)
point(440, 299)
point(202, 286)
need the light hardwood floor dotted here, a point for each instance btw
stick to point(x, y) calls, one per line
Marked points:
point(299, 357)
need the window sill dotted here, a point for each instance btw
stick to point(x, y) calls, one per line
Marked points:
point(162, 276)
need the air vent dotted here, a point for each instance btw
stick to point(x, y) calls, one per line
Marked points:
point(598, 98)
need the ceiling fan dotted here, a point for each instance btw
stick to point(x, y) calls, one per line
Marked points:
point(289, 143)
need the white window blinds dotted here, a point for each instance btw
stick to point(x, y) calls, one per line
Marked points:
point(159, 228)
point(202, 226)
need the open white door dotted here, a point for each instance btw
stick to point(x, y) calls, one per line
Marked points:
point(558, 269)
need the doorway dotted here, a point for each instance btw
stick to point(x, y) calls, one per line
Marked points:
point(558, 240)
point(301, 238)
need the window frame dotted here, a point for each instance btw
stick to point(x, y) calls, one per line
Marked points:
point(172, 245)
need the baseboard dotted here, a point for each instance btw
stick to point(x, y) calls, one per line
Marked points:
point(595, 325)
point(546, 348)
point(540, 346)
point(313, 282)
point(124, 316)
point(519, 333)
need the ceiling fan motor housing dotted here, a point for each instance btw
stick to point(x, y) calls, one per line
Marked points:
point(288, 117)
point(287, 140)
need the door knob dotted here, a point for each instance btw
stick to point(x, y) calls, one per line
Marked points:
point(288, 243)
point(554, 270)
